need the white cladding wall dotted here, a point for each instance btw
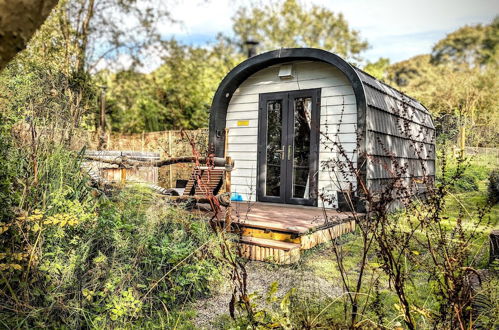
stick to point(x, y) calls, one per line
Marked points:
point(337, 97)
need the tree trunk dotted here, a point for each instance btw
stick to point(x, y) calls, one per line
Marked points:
point(19, 20)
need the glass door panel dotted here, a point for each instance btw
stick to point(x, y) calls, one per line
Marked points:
point(302, 120)
point(274, 150)
point(288, 147)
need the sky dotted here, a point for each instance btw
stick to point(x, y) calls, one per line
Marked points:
point(395, 29)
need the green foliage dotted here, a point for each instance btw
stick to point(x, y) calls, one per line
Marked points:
point(463, 176)
point(457, 83)
point(486, 304)
point(177, 95)
point(493, 186)
point(290, 24)
point(469, 45)
point(129, 257)
point(8, 195)
point(378, 69)
point(268, 311)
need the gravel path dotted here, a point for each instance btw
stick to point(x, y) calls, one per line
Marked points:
point(260, 277)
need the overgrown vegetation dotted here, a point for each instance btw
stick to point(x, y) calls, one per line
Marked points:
point(72, 257)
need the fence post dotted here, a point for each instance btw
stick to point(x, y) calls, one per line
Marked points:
point(170, 168)
point(228, 209)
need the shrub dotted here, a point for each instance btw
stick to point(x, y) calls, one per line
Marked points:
point(493, 188)
point(465, 177)
point(122, 261)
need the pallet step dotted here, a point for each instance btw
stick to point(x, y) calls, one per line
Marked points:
point(269, 243)
point(268, 250)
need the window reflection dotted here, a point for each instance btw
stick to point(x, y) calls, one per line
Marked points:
point(301, 147)
point(274, 134)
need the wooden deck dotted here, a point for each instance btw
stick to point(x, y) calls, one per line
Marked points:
point(283, 217)
point(277, 233)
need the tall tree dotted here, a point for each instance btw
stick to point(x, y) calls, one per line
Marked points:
point(469, 46)
point(463, 100)
point(292, 24)
point(378, 69)
point(18, 22)
point(176, 95)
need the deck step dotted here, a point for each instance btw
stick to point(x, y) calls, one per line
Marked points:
point(270, 243)
point(269, 250)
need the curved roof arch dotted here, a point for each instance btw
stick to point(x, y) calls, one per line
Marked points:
point(223, 95)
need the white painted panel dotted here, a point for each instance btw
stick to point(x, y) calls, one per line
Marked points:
point(249, 164)
point(336, 110)
point(243, 115)
point(243, 107)
point(243, 130)
point(343, 128)
point(243, 181)
point(337, 90)
point(328, 146)
point(336, 176)
point(268, 87)
point(234, 139)
point(241, 99)
point(250, 147)
point(244, 172)
point(327, 82)
point(242, 155)
point(344, 118)
point(327, 155)
point(328, 204)
point(337, 100)
point(340, 138)
point(317, 70)
point(335, 185)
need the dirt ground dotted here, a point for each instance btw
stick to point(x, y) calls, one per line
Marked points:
point(312, 274)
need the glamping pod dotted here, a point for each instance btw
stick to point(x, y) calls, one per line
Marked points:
point(289, 118)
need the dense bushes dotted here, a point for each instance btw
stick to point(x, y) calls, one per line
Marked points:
point(464, 177)
point(74, 258)
point(493, 187)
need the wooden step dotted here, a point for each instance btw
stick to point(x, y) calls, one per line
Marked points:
point(270, 243)
point(269, 250)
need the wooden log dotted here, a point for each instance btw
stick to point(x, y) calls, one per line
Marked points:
point(223, 199)
point(126, 162)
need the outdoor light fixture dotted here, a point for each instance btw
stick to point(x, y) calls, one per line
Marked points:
point(286, 71)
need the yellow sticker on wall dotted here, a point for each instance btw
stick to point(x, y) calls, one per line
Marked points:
point(243, 123)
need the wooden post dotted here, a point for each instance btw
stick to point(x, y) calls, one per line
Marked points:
point(143, 138)
point(123, 175)
point(170, 169)
point(228, 211)
point(102, 116)
point(226, 142)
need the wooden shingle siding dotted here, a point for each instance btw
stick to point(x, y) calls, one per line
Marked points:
point(397, 147)
point(337, 100)
point(400, 133)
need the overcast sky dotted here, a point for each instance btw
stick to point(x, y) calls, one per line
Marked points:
point(397, 29)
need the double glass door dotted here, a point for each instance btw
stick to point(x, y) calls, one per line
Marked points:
point(288, 147)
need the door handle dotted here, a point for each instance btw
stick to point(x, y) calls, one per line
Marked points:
point(282, 151)
point(290, 148)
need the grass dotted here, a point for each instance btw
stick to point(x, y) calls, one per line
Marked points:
point(325, 311)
